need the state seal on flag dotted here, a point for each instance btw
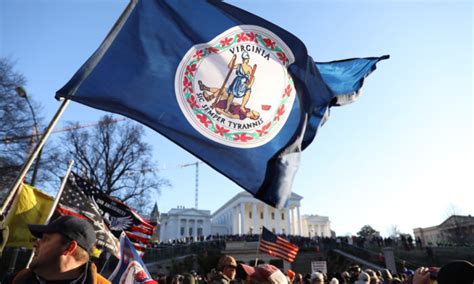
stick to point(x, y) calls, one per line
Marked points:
point(235, 89)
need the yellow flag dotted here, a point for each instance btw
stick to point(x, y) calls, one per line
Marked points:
point(31, 207)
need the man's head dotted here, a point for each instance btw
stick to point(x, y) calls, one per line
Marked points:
point(317, 278)
point(64, 243)
point(228, 266)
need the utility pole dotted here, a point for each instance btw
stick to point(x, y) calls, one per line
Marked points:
point(22, 93)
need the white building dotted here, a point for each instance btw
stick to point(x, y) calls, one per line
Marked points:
point(315, 225)
point(455, 229)
point(243, 214)
point(182, 222)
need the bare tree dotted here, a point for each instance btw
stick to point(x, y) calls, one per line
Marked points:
point(394, 232)
point(15, 118)
point(16, 124)
point(114, 157)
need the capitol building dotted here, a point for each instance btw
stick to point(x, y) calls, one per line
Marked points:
point(242, 214)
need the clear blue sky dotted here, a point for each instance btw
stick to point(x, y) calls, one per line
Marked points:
point(401, 155)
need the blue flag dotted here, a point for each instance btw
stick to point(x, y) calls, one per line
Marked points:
point(235, 90)
point(130, 268)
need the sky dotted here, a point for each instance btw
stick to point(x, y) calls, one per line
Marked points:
point(402, 155)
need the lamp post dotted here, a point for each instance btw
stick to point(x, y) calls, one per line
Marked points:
point(22, 93)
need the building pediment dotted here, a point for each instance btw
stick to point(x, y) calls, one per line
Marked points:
point(457, 220)
point(190, 212)
point(245, 197)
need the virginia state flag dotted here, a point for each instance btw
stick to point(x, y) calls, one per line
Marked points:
point(235, 90)
point(130, 269)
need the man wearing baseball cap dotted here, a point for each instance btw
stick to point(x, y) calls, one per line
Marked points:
point(61, 254)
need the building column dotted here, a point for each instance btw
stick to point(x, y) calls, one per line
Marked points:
point(288, 222)
point(177, 235)
point(235, 221)
point(243, 229)
point(300, 223)
point(265, 216)
point(319, 230)
point(195, 232)
point(186, 228)
point(293, 221)
point(277, 221)
point(254, 217)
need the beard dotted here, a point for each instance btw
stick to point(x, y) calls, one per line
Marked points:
point(43, 262)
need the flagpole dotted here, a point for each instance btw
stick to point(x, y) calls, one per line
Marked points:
point(106, 261)
point(60, 191)
point(56, 201)
point(26, 166)
point(258, 248)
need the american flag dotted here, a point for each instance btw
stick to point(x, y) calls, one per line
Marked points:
point(276, 246)
point(118, 216)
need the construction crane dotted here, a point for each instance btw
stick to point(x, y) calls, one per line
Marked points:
point(196, 182)
point(196, 189)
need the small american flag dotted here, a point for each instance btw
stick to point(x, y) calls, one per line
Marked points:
point(276, 246)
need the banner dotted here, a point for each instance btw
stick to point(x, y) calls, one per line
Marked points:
point(32, 206)
point(130, 269)
point(75, 202)
point(235, 90)
point(118, 216)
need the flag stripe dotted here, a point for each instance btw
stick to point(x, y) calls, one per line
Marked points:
point(278, 248)
point(285, 243)
point(63, 211)
point(141, 230)
point(133, 236)
point(275, 248)
point(140, 235)
point(279, 255)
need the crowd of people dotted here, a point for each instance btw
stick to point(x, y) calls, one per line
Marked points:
point(404, 241)
point(63, 255)
point(230, 271)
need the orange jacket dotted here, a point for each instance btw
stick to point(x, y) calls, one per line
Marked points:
point(26, 276)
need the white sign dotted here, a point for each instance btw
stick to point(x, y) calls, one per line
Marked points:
point(317, 266)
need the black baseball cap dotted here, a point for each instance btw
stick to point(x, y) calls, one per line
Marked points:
point(458, 271)
point(71, 227)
